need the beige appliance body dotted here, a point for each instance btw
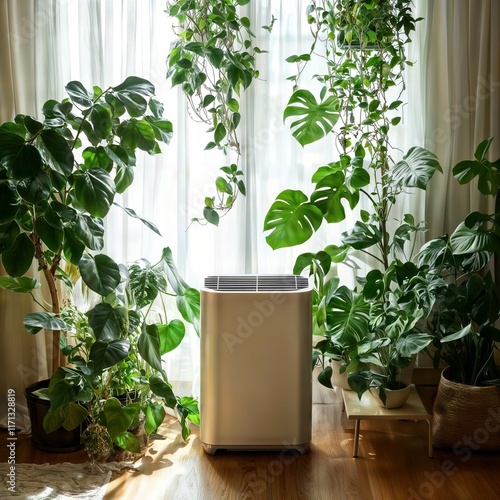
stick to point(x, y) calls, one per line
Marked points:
point(256, 382)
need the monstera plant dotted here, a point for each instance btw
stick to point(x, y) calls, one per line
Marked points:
point(358, 102)
point(58, 180)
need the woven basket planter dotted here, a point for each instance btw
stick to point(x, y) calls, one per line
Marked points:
point(465, 416)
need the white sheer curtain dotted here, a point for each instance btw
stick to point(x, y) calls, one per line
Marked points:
point(46, 44)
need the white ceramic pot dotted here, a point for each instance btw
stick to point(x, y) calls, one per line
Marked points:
point(393, 398)
point(339, 379)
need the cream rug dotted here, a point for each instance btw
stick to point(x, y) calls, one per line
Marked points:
point(61, 481)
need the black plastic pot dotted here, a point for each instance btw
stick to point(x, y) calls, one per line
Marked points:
point(58, 441)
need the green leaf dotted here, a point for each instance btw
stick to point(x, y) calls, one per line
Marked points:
point(79, 94)
point(171, 335)
point(154, 416)
point(468, 330)
point(220, 133)
point(362, 236)
point(107, 354)
point(325, 377)
point(53, 420)
point(119, 418)
point(174, 278)
point(315, 119)
point(123, 178)
point(56, 152)
point(136, 84)
point(163, 130)
point(10, 147)
point(8, 235)
point(128, 441)
point(35, 190)
point(74, 415)
point(73, 248)
point(34, 322)
point(149, 346)
point(138, 134)
point(328, 196)
point(348, 317)
point(90, 231)
point(95, 191)
point(292, 220)
point(51, 236)
point(413, 343)
point(163, 390)
point(132, 213)
point(108, 322)
point(101, 118)
point(27, 162)
point(211, 216)
point(189, 306)
point(134, 103)
point(19, 285)
point(465, 240)
point(100, 273)
point(18, 258)
point(9, 204)
point(416, 168)
point(482, 149)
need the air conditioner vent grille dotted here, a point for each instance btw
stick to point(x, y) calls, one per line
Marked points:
point(256, 283)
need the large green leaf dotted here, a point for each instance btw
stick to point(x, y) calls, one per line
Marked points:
point(36, 189)
point(79, 94)
point(108, 322)
point(189, 306)
point(154, 416)
point(100, 273)
point(163, 390)
point(315, 119)
point(137, 134)
point(128, 441)
point(56, 152)
point(292, 220)
point(9, 204)
point(174, 278)
point(413, 343)
point(149, 346)
point(416, 168)
point(119, 418)
point(362, 236)
point(51, 236)
point(73, 248)
point(107, 354)
point(134, 103)
point(433, 252)
point(328, 196)
point(348, 316)
point(465, 240)
point(20, 285)
point(10, 145)
point(90, 231)
point(95, 191)
point(171, 335)
point(101, 118)
point(8, 235)
point(132, 213)
point(26, 163)
point(34, 322)
point(18, 258)
point(136, 84)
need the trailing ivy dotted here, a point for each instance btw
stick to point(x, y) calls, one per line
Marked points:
point(213, 60)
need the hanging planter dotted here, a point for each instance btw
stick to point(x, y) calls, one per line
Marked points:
point(466, 416)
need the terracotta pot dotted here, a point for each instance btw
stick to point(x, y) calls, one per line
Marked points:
point(393, 398)
point(466, 417)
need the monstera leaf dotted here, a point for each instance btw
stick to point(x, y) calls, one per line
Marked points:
point(416, 168)
point(314, 120)
point(292, 220)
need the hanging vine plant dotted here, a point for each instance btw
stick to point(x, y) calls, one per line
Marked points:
point(213, 61)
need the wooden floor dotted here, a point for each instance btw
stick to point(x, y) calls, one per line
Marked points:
point(392, 464)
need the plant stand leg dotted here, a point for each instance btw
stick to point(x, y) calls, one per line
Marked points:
point(356, 438)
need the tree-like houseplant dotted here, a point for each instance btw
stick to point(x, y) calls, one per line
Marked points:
point(58, 180)
point(364, 45)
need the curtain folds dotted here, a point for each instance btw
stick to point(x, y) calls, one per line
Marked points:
point(454, 100)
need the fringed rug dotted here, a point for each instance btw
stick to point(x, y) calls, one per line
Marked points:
point(61, 481)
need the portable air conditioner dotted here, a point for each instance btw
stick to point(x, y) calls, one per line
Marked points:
point(256, 384)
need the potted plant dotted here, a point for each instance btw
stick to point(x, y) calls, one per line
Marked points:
point(464, 320)
point(115, 379)
point(364, 43)
point(58, 180)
